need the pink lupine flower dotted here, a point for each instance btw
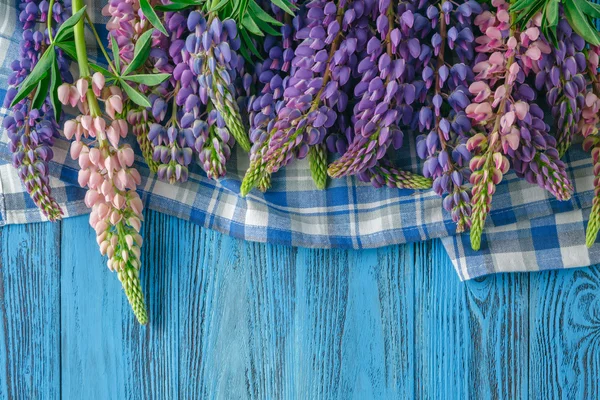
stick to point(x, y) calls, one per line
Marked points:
point(500, 112)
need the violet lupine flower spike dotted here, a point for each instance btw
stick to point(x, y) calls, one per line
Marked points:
point(213, 142)
point(107, 170)
point(502, 119)
point(444, 146)
point(384, 173)
point(171, 148)
point(32, 131)
point(272, 78)
point(212, 46)
point(562, 75)
point(303, 119)
point(387, 88)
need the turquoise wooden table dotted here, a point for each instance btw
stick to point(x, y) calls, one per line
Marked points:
point(230, 319)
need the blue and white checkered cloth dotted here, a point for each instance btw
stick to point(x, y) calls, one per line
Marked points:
point(527, 230)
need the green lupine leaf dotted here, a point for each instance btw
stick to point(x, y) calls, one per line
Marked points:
point(68, 25)
point(218, 6)
point(250, 25)
point(150, 14)
point(590, 9)
point(148, 79)
point(188, 2)
point(69, 48)
point(140, 53)
point(39, 72)
point(134, 95)
point(552, 12)
point(103, 71)
point(116, 55)
point(245, 53)
point(172, 7)
point(580, 23)
point(525, 16)
point(55, 82)
point(262, 15)
point(520, 5)
point(249, 43)
point(285, 6)
point(551, 21)
point(41, 92)
point(265, 27)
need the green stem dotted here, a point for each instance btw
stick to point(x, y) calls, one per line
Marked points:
point(82, 58)
point(102, 49)
point(49, 21)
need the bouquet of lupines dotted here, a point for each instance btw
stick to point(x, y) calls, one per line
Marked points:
point(342, 80)
point(442, 116)
point(33, 126)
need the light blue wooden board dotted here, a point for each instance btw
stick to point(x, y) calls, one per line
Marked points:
point(230, 319)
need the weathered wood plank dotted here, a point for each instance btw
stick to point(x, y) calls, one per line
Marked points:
point(473, 336)
point(93, 364)
point(214, 337)
point(267, 321)
point(30, 311)
point(564, 355)
point(230, 319)
point(103, 345)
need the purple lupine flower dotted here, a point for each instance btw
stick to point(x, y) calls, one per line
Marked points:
point(175, 103)
point(304, 118)
point(32, 131)
point(171, 151)
point(387, 89)
point(212, 46)
point(537, 159)
point(213, 142)
point(563, 76)
point(442, 118)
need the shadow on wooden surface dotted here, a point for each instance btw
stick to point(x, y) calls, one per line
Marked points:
point(232, 319)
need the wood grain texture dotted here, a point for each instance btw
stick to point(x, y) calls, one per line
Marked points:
point(30, 311)
point(230, 319)
point(565, 334)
